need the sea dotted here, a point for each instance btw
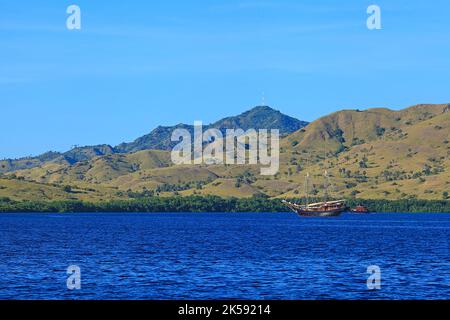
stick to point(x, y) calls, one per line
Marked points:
point(135, 256)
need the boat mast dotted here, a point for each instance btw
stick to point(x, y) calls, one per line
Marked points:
point(307, 179)
point(326, 184)
point(306, 189)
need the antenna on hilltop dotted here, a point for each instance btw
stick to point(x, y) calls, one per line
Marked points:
point(263, 102)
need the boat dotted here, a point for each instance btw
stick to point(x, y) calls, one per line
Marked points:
point(319, 209)
point(360, 209)
point(325, 208)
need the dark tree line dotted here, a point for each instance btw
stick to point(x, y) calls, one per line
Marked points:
point(208, 204)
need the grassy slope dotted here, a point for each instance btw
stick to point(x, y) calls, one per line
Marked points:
point(404, 147)
point(27, 190)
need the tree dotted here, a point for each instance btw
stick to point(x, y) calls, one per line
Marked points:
point(426, 169)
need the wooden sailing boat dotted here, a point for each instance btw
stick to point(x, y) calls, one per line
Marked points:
point(325, 208)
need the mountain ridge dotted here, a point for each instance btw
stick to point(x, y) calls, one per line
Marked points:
point(259, 117)
point(369, 154)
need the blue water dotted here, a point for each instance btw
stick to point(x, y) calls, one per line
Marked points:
point(212, 256)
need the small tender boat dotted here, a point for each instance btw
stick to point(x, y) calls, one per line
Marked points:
point(360, 209)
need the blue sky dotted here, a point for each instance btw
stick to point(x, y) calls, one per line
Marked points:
point(138, 64)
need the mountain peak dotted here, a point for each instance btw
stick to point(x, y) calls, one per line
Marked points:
point(259, 117)
point(262, 108)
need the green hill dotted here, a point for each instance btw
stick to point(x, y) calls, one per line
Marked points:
point(261, 117)
point(369, 154)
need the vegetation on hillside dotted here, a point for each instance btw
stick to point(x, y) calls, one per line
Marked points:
point(373, 154)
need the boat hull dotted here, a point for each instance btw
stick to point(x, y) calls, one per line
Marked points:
point(359, 212)
point(360, 209)
point(327, 209)
point(326, 213)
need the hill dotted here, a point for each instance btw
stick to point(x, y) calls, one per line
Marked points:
point(369, 154)
point(377, 153)
point(261, 117)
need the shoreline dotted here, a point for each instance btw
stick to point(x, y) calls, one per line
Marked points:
point(212, 213)
point(209, 204)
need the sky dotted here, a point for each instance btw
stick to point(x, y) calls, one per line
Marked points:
point(135, 65)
